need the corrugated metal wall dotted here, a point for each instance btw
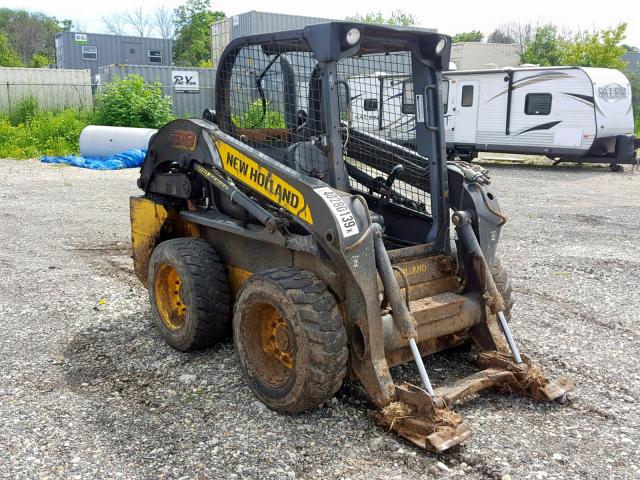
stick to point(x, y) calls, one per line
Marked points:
point(220, 38)
point(254, 23)
point(476, 55)
point(53, 88)
point(185, 104)
point(111, 49)
point(634, 61)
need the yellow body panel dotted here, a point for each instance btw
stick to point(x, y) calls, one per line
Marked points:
point(263, 181)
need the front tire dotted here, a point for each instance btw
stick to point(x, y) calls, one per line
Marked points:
point(189, 294)
point(290, 339)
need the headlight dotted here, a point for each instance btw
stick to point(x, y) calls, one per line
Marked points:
point(353, 36)
point(440, 46)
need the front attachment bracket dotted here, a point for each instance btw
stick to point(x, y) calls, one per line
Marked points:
point(423, 419)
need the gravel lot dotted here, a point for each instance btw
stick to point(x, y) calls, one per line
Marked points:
point(89, 390)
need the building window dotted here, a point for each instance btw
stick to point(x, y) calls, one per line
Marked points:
point(467, 96)
point(155, 56)
point(89, 53)
point(537, 104)
point(370, 104)
point(445, 96)
point(408, 102)
point(132, 51)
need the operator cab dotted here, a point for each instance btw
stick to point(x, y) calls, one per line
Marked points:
point(290, 95)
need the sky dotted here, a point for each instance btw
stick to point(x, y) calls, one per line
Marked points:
point(447, 16)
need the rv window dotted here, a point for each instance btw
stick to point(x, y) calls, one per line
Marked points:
point(467, 95)
point(89, 53)
point(445, 96)
point(408, 102)
point(537, 104)
point(155, 56)
point(370, 104)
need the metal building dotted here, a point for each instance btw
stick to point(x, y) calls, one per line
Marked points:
point(477, 56)
point(633, 58)
point(94, 50)
point(192, 88)
point(253, 23)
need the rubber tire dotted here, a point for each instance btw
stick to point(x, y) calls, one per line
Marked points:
point(503, 283)
point(204, 290)
point(318, 332)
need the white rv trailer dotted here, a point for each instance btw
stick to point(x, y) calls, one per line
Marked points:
point(566, 113)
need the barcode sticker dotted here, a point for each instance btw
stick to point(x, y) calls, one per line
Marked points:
point(340, 211)
point(419, 108)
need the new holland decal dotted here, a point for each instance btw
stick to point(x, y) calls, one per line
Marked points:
point(263, 181)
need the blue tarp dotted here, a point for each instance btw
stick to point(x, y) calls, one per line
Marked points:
point(128, 159)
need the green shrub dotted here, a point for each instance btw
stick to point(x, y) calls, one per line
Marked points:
point(46, 133)
point(254, 117)
point(131, 102)
point(24, 110)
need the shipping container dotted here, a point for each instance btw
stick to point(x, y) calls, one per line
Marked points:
point(476, 55)
point(192, 89)
point(93, 50)
point(254, 23)
point(54, 89)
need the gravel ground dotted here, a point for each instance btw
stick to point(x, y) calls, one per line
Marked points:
point(89, 390)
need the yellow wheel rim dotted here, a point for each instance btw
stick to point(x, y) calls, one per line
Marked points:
point(276, 339)
point(171, 308)
point(270, 344)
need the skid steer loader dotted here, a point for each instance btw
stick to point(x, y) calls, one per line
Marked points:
point(329, 252)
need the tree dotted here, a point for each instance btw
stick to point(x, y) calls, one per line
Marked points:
point(114, 23)
point(398, 17)
point(8, 56)
point(545, 49)
point(139, 22)
point(40, 60)
point(472, 36)
point(165, 22)
point(602, 48)
point(193, 32)
point(498, 36)
point(29, 33)
point(519, 33)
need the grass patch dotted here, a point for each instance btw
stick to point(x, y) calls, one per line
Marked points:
point(41, 133)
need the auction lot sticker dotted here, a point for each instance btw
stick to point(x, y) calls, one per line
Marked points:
point(340, 210)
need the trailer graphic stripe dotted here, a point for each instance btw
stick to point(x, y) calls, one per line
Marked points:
point(263, 181)
point(543, 126)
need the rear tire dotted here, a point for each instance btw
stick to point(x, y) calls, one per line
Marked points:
point(189, 294)
point(290, 339)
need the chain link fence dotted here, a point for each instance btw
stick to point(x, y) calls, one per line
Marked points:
point(47, 96)
point(57, 97)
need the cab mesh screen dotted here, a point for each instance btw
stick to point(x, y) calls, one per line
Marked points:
point(276, 106)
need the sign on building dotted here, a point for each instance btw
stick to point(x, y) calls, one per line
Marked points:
point(185, 81)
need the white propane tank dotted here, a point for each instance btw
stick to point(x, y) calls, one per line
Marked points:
point(101, 141)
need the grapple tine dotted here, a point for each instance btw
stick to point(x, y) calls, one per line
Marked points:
point(424, 420)
point(526, 379)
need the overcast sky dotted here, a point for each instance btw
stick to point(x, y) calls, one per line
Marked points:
point(450, 16)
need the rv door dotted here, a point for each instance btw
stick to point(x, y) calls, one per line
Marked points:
point(466, 124)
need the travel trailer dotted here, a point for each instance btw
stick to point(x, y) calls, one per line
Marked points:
point(570, 114)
